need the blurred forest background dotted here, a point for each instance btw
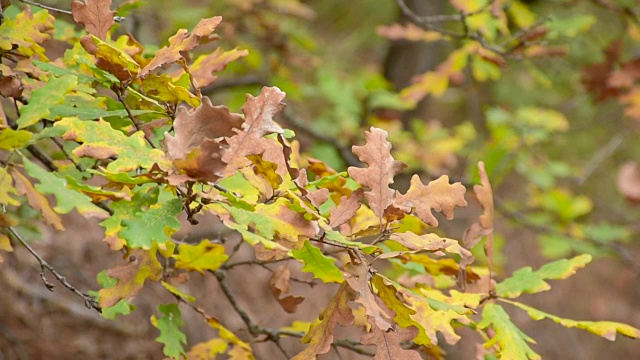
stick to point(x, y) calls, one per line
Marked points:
point(547, 93)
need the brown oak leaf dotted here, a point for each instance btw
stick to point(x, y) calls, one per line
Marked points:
point(259, 112)
point(279, 284)
point(346, 209)
point(438, 195)
point(320, 335)
point(203, 68)
point(483, 227)
point(195, 148)
point(389, 343)
point(131, 276)
point(95, 15)
point(379, 175)
point(183, 41)
point(358, 278)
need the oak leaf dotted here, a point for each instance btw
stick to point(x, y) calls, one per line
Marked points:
point(66, 199)
point(7, 190)
point(259, 112)
point(438, 195)
point(379, 175)
point(182, 42)
point(389, 343)
point(359, 279)
point(169, 325)
point(36, 200)
point(204, 256)
point(95, 15)
point(279, 284)
point(204, 66)
point(27, 31)
point(315, 262)
point(512, 341)
point(346, 209)
point(111, 59)
point(164, 88)
point(143, 265)
point(42, 99)
point(194, 148)
point(5, 245)
point(155, 224)
point(101, 141)
point(320, 335)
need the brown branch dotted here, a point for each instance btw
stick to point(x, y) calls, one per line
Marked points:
point(47, 7)
point(274, 335)
point(89, 301)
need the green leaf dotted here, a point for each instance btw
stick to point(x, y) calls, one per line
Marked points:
point(512, 341)
point(204, 256)
point(58, 71)
point(606, 329)
point(101, 141)
point(170, 334)
point(42, 99)
point(157, 224)
point(66, 199)
point(88, 113)
point(13, 139)
point(318, 264)
point(527, 281)
point(143, 197)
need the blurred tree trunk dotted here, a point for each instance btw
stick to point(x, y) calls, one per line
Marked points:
point(406, 59)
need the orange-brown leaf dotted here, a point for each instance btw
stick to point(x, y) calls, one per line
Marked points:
point(95, 15)
point(484, 225)
point(389, 343)
point(438, 195)
point(358, 278)
point(195, 148)
point(36, 200)
point(259, 112)
point(279, 284)
point(203, 68)
point(346, 209)
point(131, 276)
point(379, 175)
point(320, 335)
point(183, 41)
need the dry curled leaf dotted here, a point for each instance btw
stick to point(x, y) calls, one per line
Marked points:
point(320, 335)
point(95, 15)
point(379, 175)
point(196, 147)
point(203, 67)
point(36, 200)
point(346, 209)
point(389, 343)
point(259, 112)
point(279, 284)
point(359, 279)
point(438, 195)
point(182, 42)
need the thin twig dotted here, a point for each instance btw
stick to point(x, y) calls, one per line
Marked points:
point(601, 156)
point(120, 94)
point(47, 7)
point(89, 301)
point(67, 155)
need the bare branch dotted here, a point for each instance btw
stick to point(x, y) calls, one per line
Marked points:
point(89, 301)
